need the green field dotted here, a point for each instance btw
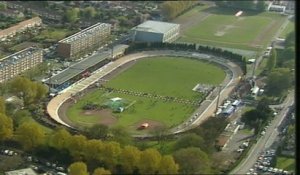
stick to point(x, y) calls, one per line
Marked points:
point(167, 76)
point(289, 28)
point(221, 28)
point(285, 163)
point(53, 34)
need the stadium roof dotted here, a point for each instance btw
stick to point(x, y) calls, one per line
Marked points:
point(155, 26)
point(77, 69)
point(81, 66)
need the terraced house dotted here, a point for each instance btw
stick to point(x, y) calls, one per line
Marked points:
point(87, 39)
point(20, 27)
point(19, 62)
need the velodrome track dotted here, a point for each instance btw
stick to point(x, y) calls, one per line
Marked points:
point(206, 109)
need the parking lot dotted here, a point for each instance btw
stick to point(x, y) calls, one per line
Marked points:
point(263, 165)
point(12, 159)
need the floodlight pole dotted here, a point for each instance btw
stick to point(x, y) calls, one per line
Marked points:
point(219, 92)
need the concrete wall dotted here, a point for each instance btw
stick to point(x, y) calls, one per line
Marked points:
point(141, 36)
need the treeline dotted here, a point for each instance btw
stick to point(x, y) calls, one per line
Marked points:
point(172, 9)
point(236, 58)
point(242, 5)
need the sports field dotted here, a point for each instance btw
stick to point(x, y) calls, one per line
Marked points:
point(220, 27)
point(286, 163)
point(159, 76)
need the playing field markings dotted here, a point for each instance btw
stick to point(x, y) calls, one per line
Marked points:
point(261, 36)
point(130, 104)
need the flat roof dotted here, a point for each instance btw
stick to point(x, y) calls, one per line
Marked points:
point(84, 32)
point(155, 26)
point(77, 68)
point(81, 66)
point(26, 171)
point(13, 58)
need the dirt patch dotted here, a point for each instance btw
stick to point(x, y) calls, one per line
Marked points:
point(106, 116)
point(223, 31)
point(220, 33)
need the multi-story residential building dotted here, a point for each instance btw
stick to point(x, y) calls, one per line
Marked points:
point(19, 62)
point(11, 31)
point(155, 31)
point(87, 39)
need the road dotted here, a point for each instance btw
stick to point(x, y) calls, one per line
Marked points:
point(267, 140)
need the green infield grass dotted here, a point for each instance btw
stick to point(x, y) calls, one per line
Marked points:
point(219, 27)
point(166, 76)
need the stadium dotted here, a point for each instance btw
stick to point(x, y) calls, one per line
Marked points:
point(135, 91)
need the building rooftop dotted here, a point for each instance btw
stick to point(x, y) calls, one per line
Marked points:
point(26, 171)
point(85, 32)
point(81, 66)
point(12, 59)
point(155, 26)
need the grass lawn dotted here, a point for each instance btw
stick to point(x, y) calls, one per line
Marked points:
point(30, 119)
point(24, 45)
point(289, 28)
point(285, 163)
point(262, 66)
point(166, 76)
point(221, 28)
point(169, 76)
point(54, 34)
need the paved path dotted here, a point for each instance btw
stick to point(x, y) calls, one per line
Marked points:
point(266, 140)
point(206, 110)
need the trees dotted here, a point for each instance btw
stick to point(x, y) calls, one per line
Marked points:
point(93, 152)
point(101, 171)
point(2, 106)
point(288, 57)
point(6, 127)
point(89, 12)
point(3, 6)
point(172, 9)
point(41, 91)
point(60, 139)
point(111, 153)
point(189, 140)
point(149, 161)
point(76, 146)
point(72, 15)
point(98, 131)
point(261, 6)
point(192, 161)
point(290, 39)
point(78, 168)
point(167, 165)
point(259, 116)
point(129, 158)
point(30, 135)
point(28, 90)
point(272, 60)
point(121, 135)
point(279, 80)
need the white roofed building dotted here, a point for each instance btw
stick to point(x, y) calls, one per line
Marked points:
point(155, 31)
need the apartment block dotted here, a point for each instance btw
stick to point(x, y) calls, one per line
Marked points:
point(19, 62)
point(89, 38)
point(11, 31)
